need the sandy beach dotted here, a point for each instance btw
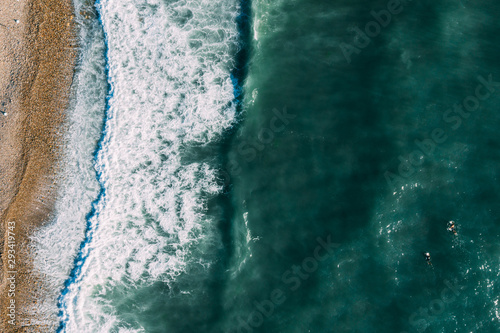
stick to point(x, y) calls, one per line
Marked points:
point(37, 58)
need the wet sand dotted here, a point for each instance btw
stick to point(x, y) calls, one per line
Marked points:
point(37, 58)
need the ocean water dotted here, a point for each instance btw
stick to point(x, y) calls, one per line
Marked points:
point(280, 166)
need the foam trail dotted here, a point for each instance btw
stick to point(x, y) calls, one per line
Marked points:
point(70, 292)
point(171, 90)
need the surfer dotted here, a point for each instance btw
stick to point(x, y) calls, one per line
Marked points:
point(452, 228)
point(427, 256)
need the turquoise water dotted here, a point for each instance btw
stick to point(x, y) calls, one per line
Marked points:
point(305, 200)
point(323, 174)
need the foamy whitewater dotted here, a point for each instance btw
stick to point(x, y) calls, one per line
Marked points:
point(169, 69)
point(56, 245)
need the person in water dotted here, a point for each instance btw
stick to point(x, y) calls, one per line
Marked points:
point(452, 228)
point(427, 256)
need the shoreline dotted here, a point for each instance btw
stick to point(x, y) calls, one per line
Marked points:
point(36, 71)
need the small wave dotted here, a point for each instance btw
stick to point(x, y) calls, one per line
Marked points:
point(171, 89)
point(55, 245)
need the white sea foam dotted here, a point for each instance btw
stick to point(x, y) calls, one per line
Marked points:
point(170, 67)
point(55, 245)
